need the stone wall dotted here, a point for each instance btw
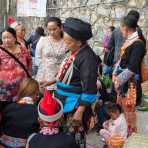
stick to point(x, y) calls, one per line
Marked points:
point(100, 13)
point(103, 13)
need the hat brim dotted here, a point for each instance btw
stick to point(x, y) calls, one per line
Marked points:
point(51, 118)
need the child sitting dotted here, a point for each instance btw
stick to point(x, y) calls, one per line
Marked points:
point(20, 119)
point(50, 111)
point(116, 125)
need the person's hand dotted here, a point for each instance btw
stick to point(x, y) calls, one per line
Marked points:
point(106, 124)
point(92, 122)
point(116, 84)
point(99, 85)
point(114, 77)
point(77, 117)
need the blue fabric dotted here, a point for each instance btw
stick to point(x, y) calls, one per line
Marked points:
point(124, 76)
point(90, 98)
point(107, 70)
point(118, 42)
point(136, 76)
point(124, 87)
point(72, 98)
point(70, 104)
point(67, 94)
point(63, 84)
point(33, 52)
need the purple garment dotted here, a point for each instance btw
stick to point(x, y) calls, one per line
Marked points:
point(106, 41)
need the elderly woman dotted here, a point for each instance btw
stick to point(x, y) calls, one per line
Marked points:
point(77, 77)
point(20, 33)
point(15, 64)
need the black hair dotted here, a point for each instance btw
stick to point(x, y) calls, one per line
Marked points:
point(135, 14)
point(40, 31)
point(112, 28)
point(130, 21)
point(10, 30)
point(54, 19)
point(1, 42)
point(114, 108)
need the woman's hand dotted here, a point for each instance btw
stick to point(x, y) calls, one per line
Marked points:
point(99, 85)
point(116, 84)
point(114, 77)
point(77, 117)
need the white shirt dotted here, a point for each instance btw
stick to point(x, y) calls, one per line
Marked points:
point(48, 57)
point(118, 126)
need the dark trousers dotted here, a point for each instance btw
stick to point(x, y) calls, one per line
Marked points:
point(3, 104)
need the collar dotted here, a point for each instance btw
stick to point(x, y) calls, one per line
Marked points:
point(49, 131)
point(26, 100)
point(132, 36)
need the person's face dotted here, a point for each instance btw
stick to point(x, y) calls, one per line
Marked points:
point(54, 30)
point(8, 39)
point(109, 32)
point(20, 31)
point(71, 43)
point(124, 30)
point(114, 115)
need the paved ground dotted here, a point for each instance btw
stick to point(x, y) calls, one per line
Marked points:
point(93, 138)
point(94, 141)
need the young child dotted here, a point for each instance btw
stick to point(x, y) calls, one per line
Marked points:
point(20, 119)
point(116, 125)
point(50, 110)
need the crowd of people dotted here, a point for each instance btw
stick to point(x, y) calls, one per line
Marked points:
point(51, 93)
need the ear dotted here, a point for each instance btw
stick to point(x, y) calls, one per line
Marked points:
point(62, 28)
point(78, 43)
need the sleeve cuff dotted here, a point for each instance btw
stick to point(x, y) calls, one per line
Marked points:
point(87, 99)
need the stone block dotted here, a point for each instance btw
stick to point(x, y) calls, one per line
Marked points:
point(132, 3)
point(142, 3)
point(120, 11)
point(101, 10)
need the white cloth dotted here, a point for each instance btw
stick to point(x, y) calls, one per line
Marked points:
point(48, 57)
point(119, 126)
point(116, 127)
point(132, 37)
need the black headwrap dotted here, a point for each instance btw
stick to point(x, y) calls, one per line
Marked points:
point(130, 21)
point(78, 29)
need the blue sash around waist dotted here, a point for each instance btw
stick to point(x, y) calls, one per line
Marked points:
point(68, 94)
